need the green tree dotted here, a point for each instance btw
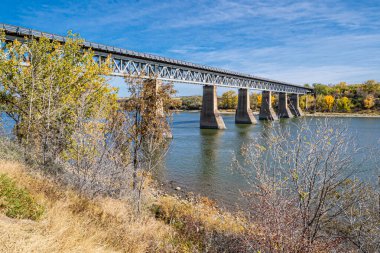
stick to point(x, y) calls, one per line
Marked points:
point(191, 102)
point(321, 89)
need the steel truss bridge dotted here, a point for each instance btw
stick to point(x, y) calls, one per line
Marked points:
point(131, 63)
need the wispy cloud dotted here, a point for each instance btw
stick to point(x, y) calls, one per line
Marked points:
point(328, 60)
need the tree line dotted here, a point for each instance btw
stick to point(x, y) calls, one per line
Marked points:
point(341, 97)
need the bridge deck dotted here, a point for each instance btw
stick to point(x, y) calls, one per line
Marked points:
point(127, 62)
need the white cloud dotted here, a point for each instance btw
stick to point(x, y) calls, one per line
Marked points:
point(328, 60)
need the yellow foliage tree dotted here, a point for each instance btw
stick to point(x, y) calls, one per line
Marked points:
point(229, 100)
point(52, 90)
point(306, 101)
point(259, 100)
point(329, 100)
point(344, 104)
point(273, 100)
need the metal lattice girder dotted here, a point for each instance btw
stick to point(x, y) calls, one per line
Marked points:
point(131, 63)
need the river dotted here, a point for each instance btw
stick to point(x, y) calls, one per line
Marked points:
point(200, 160)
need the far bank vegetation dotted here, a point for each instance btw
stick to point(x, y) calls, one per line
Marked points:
point(341, 97)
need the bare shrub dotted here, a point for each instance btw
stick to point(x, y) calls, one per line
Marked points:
point(97, 162)
point(303, 188)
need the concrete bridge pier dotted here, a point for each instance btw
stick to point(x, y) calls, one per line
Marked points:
point(283, 108)
point(210, 117)
point(244, 113)
point(266, 109)
point(295, 105)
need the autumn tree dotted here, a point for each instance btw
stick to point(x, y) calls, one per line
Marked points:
point(322, 89)
point(274, 100)
point(254, 101)
point(148, 127)
point(306, 102)
point(46, 87)
point(259, 100)
point(191, 102)
point(67, 116)
point(175, 103)
point(229, 100)
point(344, 104)
point(371, 86)
point(329, 101)
point(369, 101)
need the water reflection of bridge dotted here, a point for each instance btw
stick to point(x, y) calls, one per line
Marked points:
point(131, 63)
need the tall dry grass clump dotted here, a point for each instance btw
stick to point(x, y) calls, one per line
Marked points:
point(202, 226)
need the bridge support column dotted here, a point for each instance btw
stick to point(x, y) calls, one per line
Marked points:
point(244, 113)
point(266, 109)
point(283, 109)
point(295, 105)
point(210, 117)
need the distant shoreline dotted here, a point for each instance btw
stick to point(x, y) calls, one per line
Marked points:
point(308, 114)
point(343, 115)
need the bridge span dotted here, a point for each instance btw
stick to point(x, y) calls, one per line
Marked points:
point(131, 63)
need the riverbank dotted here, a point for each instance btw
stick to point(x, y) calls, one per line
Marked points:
point(37, 213)
point(345, 115)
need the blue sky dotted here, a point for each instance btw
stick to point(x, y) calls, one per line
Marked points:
point(294, 41)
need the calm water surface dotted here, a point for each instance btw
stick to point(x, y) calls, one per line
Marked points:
point(200, 160)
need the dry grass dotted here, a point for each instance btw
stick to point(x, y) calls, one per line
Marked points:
point(75, 224)
point(72, 223)
point(202, 226)
point(202, 211)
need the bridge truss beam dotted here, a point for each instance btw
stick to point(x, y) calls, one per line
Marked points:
point(131, 63)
